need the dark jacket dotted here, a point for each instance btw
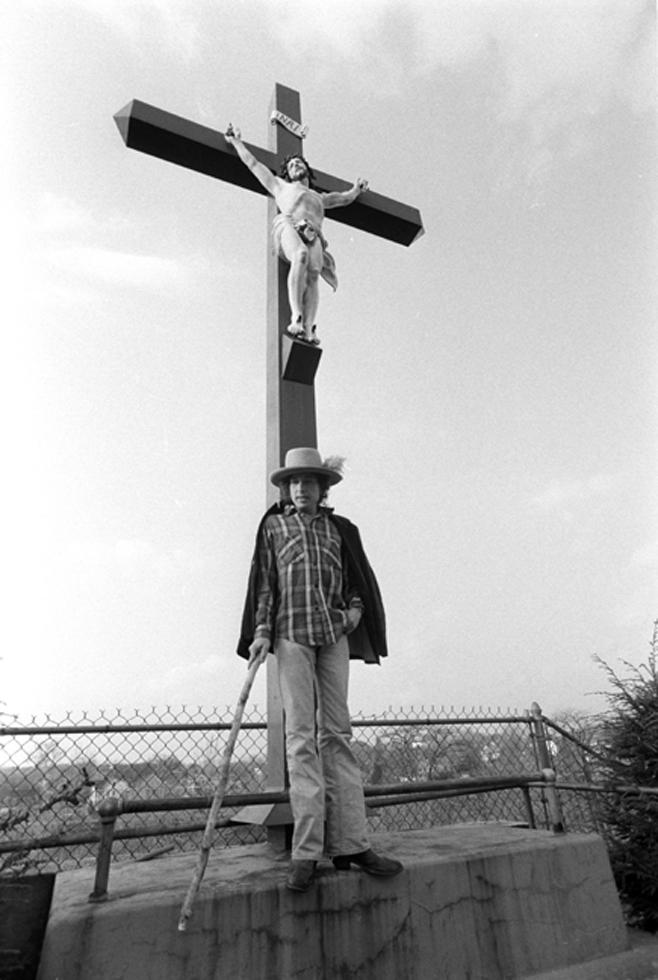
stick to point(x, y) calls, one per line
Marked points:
point(368, 641)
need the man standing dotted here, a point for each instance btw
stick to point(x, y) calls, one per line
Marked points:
point(297, 231)
point(313, 601)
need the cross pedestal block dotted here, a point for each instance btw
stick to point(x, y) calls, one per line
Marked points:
point(266, 815)
point(299, 361)
point(476, 900)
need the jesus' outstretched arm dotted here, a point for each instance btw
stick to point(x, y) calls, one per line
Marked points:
point(259, 170)
point(339, 199)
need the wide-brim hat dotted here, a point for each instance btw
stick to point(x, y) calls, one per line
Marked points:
point(308, 460)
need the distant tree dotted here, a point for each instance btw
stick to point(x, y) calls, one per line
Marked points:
point(631, 820)
point(51, 815)
point(424, 752)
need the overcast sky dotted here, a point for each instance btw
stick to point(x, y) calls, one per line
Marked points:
point(493, 387)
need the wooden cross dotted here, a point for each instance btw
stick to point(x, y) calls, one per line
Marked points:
point(291, 365)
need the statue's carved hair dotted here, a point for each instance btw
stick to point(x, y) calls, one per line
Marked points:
point(283, 172)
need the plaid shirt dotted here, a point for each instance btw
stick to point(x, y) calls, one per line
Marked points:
point(300, 563)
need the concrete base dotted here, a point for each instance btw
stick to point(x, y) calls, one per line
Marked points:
point(475, 902)
point(638, 962)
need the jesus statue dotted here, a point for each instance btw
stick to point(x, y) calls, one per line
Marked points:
point(297, 231)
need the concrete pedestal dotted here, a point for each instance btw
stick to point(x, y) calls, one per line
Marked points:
point(475, 902)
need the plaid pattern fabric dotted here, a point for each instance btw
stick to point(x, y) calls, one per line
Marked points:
point(300, 563)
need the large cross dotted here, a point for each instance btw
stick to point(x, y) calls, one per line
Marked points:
point(291, 365)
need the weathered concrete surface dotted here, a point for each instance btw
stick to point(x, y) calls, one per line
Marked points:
point(639, 962)
point(475, 902)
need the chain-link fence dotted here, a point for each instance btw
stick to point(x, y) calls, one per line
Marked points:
point(55, 772)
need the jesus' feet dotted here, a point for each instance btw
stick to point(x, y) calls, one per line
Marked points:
point(295, 328)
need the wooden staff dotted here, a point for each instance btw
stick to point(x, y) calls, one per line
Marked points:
point(209, 832)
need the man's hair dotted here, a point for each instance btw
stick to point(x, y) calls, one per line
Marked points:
point(297, 156)
point(323, 482)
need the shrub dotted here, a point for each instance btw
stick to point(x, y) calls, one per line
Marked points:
point(631, 820)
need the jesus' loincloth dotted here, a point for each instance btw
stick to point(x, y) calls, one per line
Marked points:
point(307, 232)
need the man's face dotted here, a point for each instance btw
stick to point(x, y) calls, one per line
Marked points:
point(296, 169)
point(305, 493)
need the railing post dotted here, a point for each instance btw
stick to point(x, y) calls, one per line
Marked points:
point(108, 811)
point(527, 799)
point(539, 735)
point(553, 800)
point(546, 762)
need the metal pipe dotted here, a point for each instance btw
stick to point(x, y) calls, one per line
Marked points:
point(553, 800)
point(528, 806)
point(29, 732)
point(109, 814)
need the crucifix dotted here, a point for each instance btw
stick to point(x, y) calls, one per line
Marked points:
point(291, 363)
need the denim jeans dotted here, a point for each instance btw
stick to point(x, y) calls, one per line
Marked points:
point(325, 779)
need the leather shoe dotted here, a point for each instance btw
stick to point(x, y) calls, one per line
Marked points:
point(370, 862)
point(300, 875)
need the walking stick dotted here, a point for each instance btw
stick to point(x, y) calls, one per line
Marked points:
point(209, 832)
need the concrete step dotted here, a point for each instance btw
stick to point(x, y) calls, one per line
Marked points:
point(475, 902)
point(638, 962)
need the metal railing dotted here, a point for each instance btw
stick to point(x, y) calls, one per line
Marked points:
point(375, 796)
point(57, 778)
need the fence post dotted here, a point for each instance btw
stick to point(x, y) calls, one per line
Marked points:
point(539, 735)
point(530, 813)
point(108, 811)
point(553, 800)
point(546, 763)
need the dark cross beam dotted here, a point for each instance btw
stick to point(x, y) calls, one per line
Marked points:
point(188, 144)
point(291, 419)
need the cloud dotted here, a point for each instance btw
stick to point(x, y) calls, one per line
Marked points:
point(541, 46)
point(216, 678)
point(133, 559)
point(58, 215)
point(174, 24)
point(635, 604)
point(62, 255)
point(113, 266)
point(196, 675)
point(562, 496)
point(56, 236)
point(549, 69)
point(574, 53)
point(560, 68)
point(646, 556)
point(342, 26)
